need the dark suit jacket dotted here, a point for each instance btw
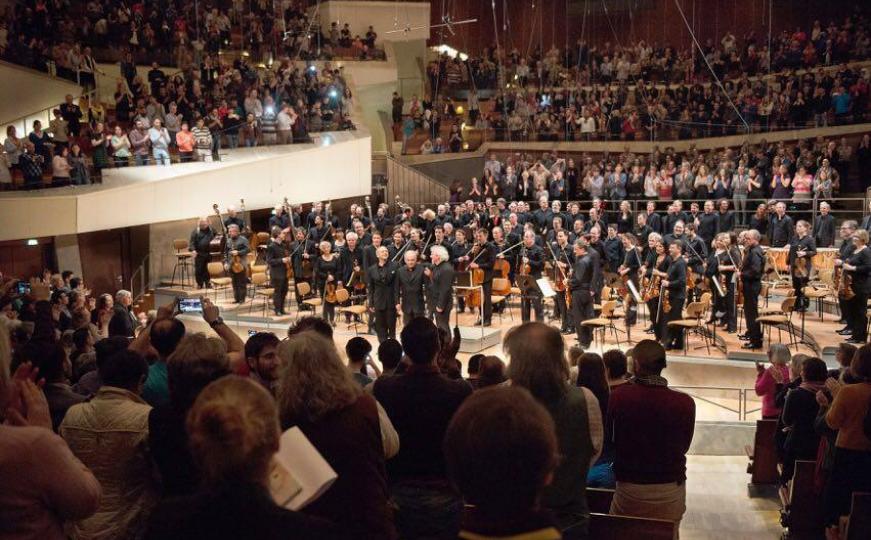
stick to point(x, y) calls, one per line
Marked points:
point(121, 323)
point(381, 285)
point(409, 287)
point(441, 289)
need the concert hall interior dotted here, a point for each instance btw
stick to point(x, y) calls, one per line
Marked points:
point(480, 269)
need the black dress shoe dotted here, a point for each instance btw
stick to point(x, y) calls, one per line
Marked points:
point(751, 346)
point(855, 341)
point(651, 331)
point(743, 337)
point(841, 321)
point(844, 332)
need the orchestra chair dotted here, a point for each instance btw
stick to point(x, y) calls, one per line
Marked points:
point(218, 279)
point(261, 289)
point(817, 293)
point(501, 284)
point(307, 297)
point(604, 297)
point(183, 263)
point(692, 323)
point(357, 311)
point(262, 244)
point(256, 268)
point(604, 322)
point(782, 317)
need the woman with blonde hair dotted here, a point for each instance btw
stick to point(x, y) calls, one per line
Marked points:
point(318, 395)
point(234, 432)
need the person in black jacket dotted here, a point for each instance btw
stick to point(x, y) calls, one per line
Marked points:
point(485, 260)
point(824, 227)
point(798, 416)
point(580, 284)
point(801, 250)
point(708, 223)
point(751, 279)
point(123, 322)
point(780, 227)
point(726, 221)
point(277, 259)
point(441, 274)
point(532, 263)
point(383, 294)
point(199, 243)
point(846, 231)
point(409, 285)
point(858, 267)
point(674, 282)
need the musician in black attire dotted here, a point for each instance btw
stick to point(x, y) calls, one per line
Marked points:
point(781, 227)
point(653, 220)
point(397, 245)
point(847, 229)
point(409, 285)
point(596, 249)
point(237, 247)
point(383, 294)
point(279, 219)
point(751, 280)
point(441, 287)
point(657, 261)
point(580, 284)
point(696, 253)
point(628, 271)
point(485, 260)
point(565, 259)
point(351, 259)
point(727, 264)
point(532, 258)
point(199, 243)
point(824, 227)
point(858, 267)
point(801, 251)
point(370, 255)
point(319, 232)
point(233, 218)
point(278, 258)
point(709, 223)
point(326, 272)
point(675, 283)
point(727, 217)
point(301, 253)
point(460, 255)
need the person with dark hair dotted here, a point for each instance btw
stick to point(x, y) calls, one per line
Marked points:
point(82, 358)
point(50, 359)
point(358, 350)
point(390, 355)
point(196, 361)
point(647, 414)
point(420, 403)
point(104, 349)
point(799, 413)
point(312, 322)
point(844, 357)
point(108, 433)
point(475, 369)
point(500, 449)
point(615, 367)
point(492, 372)
point(164, 335)
point(261, 359)
point(592, 376)
point(538, 363)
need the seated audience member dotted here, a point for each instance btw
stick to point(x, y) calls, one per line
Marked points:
point(616, 367)
point(496, 431)
point(420, 403)
point(538, 364)
point(91, 381)
point(318, 395)
point(768, 379)
point(109, 433)
point(261, 359)
point(390, 355)
point(851, 467)
point(44, 485)
point(50, 358)
point(233, 431)
point(799, 413)
point(592, 376)
point(83, 359)
point(358, 349)
point(492, 372)
point(197, 361)
point(475, 369)
point(647, 414)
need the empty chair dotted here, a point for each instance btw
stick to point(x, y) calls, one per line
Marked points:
point(183, 263)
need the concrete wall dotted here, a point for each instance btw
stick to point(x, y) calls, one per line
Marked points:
point(26, 91)
point(383, 16)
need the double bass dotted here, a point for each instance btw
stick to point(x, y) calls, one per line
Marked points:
point(289, 263)
point(219, 242)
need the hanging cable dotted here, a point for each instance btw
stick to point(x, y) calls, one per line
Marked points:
point(705, 58)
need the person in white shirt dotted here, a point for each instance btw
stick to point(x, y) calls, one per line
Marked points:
point(160, 140)
point(284, 125)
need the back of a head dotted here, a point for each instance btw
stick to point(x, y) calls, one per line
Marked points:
point(496, 431)
point(779, 354)
point(313, 379)
point(197, 361)
point(649, 358)
point(106, 348)
point(420, 340)
point(317, 324)
point(492, 372)
point(233, 431)
point(860, 367)
point(615, 363)
point(357, 349)
point(165, 336)
point(475, 363)
point(814, 369)
point(125, 369)
point(390, 354)
point(591, 375)
point(47, 355)
point(538, 361)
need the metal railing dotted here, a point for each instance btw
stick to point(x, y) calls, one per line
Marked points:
point(740, 396)
point(411, 186)
point(141, 277)
point(21, 123)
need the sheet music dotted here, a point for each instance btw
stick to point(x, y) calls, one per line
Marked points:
point(545, 288)
point(634, 290)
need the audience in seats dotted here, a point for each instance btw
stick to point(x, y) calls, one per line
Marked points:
point(768, 379)
point(799, 414)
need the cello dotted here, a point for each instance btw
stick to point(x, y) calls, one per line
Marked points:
point(219, 242)
point(289, 263)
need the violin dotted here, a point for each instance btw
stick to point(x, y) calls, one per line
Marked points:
point(330, 292)
point(844, 284)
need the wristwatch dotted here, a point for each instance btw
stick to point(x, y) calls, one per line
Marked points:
point(216, 322)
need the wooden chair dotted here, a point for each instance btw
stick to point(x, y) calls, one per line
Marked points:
point(260, 290)
point(859, 525)
point(307, 297)
point(692, 323)
point(217, 278)
point(610, 527)
point(262, 244)
point(763, 456)
point(604, 321)
point(604, 297)
point(183, 262)
point(501, 284)
point(817, 293)
point(802, 512)
point(357, 311)
point(783, 317)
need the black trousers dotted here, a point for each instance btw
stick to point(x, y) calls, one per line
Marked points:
point(857, 315)
point(799, 284)
point(562, 311)
point(408, 315)
point(385, 323)
point(751, 310)
point(532, 299)
point(240, 286)
point(653, 311)
point(731, 317)
point(582, 310)
point(443, 319)
point(488, 300)
point(279, 283)
point(201, 270)
point(673, 336)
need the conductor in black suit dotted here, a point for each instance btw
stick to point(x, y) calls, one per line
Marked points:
point(409, 286)
point(675, 281)
point(485, 260)
point(383, 294)
point(277, 259)
point(123, 322)
point(441, 294)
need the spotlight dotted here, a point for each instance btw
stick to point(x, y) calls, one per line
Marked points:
point(460, 109)
point(312, 69)
point(333, 93)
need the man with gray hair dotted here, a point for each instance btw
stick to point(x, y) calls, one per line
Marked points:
point(236, 262)
point(123, 322)
point(441, 298)
point(410, 301)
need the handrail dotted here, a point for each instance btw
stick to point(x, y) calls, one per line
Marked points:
point(743, 394)
point(91, 94)
point(410, 185)
point(141, 272)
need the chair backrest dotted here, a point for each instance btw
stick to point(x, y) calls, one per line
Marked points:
point(788, 305)
point(608, 308)
point(262, 238)
point(695, 310)
point(303, 288)
point(606, 293)
point(501, 284)
point(706, 299)
point(342, 295)
point(216, 269)
point(258, 278)
point(180, 244)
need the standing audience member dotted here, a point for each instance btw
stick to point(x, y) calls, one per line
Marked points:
point(538, 364)
point(50, 358)
point(799, 413)
point(647, 414)
point(768, 379)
